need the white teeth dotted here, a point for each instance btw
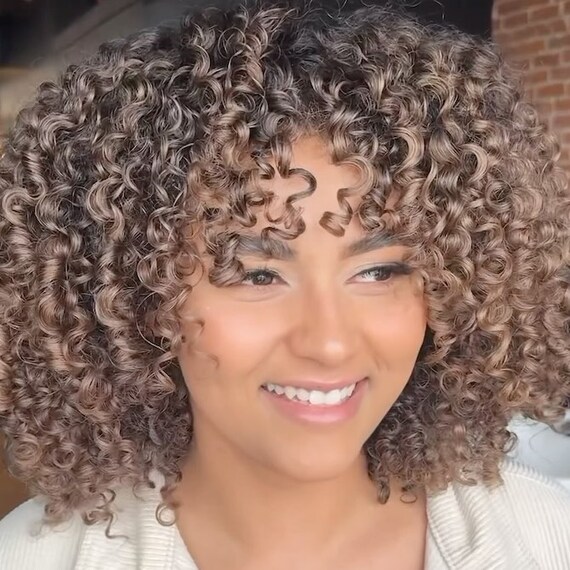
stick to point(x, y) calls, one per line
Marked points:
point(313, 397)
point(302, 394)
point(334, 397)
point(290, 392)
point(317, 398)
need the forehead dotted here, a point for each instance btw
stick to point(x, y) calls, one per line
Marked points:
point(311, 154)
point(317, 205)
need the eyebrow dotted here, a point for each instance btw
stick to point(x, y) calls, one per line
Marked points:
point(369, 242)
point(267, 247)
point(272, 248)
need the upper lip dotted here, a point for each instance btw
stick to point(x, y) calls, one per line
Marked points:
point(313, 384)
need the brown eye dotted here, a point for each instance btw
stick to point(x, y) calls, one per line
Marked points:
point(377, 274)
point(385, 272)
point(259, 278)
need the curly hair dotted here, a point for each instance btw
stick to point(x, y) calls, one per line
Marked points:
point(109, 176)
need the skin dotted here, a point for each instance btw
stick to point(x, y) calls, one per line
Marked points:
point(278, 492)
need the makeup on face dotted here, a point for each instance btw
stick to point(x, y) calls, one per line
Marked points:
point(313, 338)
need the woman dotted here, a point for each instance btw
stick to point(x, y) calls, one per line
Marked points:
point(273, 285)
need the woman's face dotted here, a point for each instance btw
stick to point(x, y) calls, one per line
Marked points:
point(338, 322)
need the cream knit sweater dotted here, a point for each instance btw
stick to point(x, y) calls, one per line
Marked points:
point(522, 525)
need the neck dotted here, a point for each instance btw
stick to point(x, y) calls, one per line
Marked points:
point(254, 503)
point(226, 499)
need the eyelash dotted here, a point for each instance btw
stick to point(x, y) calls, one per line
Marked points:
point(393, 270)
point(253, 272)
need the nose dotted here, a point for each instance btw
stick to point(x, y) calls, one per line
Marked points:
point(321, 330)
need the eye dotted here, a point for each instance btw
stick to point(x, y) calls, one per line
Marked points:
point(259, 278)
point(384, 273)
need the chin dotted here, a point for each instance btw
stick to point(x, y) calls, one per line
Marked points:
point(314, 465)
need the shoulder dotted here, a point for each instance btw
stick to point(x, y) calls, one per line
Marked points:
point(134, 535)
point(525, 520)
point(26, 543)
point(534, 501)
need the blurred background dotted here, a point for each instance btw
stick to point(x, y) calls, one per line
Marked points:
point(39, 38)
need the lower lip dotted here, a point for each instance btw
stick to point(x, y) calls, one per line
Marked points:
point(318, 414)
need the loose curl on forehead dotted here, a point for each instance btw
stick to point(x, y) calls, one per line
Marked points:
point(112, 174)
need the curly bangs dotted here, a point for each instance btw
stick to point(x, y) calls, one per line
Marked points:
point(105, 172)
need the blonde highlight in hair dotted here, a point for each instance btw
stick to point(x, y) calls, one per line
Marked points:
point(111, 174)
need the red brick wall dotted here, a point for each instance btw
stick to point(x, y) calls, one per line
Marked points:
point(536, 35)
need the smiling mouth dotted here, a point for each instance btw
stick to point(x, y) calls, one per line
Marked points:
point(331, 398)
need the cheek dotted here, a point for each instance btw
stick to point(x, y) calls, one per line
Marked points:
point(396, 330)
point(239, 337)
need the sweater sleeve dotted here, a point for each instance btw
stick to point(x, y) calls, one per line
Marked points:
point(24, 545)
